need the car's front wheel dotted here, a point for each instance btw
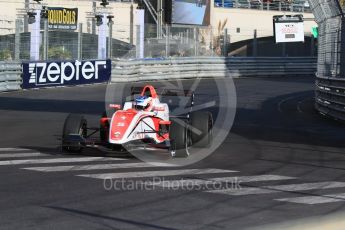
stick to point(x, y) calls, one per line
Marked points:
point(201, 129)
point(178, 138)
point(74, 124)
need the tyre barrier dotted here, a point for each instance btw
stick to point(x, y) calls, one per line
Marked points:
point(206, 67)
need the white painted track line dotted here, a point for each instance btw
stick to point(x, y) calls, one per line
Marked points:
point(14, 150)
point(57, 160)
point(317, 199)
point(156, 173)
point(280, 188)
point(233, 180)
point(19, 155)
point(67, 168)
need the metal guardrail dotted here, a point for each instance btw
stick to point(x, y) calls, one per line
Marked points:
point(330, 97)
point(185, 68)
point(10, 76)
point(211, 67)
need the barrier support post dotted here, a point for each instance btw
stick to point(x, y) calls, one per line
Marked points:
point(225, 43)
point(17, 40)
point(342, 47)
point(211, 42)
point(45, 40)
point(110, 40)
point(196, 42)
point(131, 26)
point(255, 44)
point(80, 42)
point(167, 44)
point(93, 25)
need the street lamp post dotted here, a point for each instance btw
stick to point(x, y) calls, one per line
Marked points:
point(140, 13)
point(110, 37)
point(101, 18)
point(34, 20)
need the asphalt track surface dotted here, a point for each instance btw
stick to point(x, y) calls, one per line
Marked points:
point(289, 159)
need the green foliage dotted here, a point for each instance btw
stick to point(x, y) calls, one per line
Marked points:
point(5, 55)
point(315, 31)
point(59, 53)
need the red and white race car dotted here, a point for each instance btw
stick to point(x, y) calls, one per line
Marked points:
point(143, 120)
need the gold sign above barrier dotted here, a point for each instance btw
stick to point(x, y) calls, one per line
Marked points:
point(60, 18)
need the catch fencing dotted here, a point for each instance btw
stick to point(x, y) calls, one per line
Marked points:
point(330, 81)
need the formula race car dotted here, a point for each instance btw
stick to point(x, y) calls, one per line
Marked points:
point(143, 120)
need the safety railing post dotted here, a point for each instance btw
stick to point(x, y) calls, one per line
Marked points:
point(196, 41)
point(45, 40)
point(255, 44)
point(17, 40)
point(80, 42)
point(110, 40)
point(225, 51)
point(167, 41)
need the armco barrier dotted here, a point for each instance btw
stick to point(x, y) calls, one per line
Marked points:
point(330, 97)
point(206, 67)
point(10, 76)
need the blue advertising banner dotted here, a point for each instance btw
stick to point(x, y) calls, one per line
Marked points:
point(65, 73)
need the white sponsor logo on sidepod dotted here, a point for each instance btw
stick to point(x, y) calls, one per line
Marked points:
point(53, 73)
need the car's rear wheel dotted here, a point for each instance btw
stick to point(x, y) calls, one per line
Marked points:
point(74, 124)
point(178, 138)
point(201, 129)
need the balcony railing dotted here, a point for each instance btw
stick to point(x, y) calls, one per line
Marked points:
point(301, 7)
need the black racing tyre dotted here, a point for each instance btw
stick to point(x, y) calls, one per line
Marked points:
point(178, 138)
point(74, 124)
point(202, 122)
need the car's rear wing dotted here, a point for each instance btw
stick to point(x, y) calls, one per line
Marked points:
point(165, 92)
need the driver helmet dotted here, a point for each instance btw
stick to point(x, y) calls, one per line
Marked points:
point(142, 102)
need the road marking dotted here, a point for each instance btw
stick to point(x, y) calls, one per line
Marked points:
point(283, 101)
point(14, 150)
point(317, 199)
point(156, 173)
point(207, 181)
point(57, 160)
point(280, 188)
point(299, 104)
point(18, 155)
point(95, 167)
